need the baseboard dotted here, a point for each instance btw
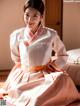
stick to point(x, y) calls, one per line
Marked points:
point(4, 72)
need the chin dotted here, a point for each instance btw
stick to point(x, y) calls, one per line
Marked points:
point(31, 29)
point(30, 26)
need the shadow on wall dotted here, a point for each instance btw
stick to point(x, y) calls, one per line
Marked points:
point(71, 25)
point(11, 18)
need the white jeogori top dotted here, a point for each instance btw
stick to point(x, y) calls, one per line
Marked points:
point(35, 50)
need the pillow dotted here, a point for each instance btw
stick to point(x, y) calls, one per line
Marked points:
point(74, 56)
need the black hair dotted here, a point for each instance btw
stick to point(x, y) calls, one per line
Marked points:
point(36, 4)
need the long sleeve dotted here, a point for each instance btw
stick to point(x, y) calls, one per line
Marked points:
point(14, 47)
point(60, 52)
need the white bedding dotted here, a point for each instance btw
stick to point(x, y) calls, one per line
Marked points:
point(73, 65)
point(74, 56)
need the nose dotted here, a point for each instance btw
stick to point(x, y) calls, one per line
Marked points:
point(29, 19)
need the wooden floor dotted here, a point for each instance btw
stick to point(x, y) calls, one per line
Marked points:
point(2, 80)
point(3, 76)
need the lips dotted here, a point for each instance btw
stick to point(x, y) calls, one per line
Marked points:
point(30, 23)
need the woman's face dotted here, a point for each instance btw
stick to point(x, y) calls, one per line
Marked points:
point(32, 18)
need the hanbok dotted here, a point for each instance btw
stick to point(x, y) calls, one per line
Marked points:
point(31, 82)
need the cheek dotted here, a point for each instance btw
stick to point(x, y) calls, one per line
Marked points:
point(25, 19)
point(37, 21)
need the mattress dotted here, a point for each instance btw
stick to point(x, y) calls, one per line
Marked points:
point(73, 65)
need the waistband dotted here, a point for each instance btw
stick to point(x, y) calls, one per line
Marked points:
point(38, 68)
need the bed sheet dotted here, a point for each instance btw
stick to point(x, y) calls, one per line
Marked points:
point(73, 65)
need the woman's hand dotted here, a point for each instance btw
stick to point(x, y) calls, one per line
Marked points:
point(50, 68)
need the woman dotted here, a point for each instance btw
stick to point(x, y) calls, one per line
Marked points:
point(36, 79)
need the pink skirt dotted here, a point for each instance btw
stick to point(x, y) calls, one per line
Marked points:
point(40, 89)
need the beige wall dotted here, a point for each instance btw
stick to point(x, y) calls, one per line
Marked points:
point(10, 19)
point(71, 24)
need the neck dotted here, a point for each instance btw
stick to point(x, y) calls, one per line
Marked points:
point(35, 29)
